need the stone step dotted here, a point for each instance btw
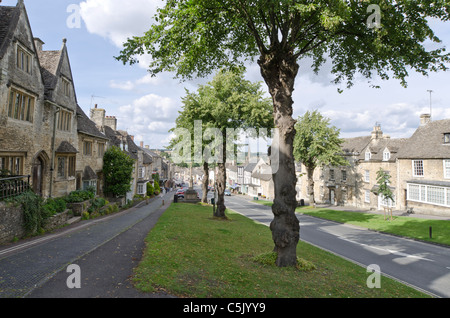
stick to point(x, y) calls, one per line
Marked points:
point(73, 220)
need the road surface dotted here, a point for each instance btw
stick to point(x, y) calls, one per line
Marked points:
point(421, 265)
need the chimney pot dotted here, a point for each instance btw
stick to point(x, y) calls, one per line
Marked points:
point(425, 119)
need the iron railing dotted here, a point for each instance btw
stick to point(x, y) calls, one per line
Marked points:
point(13, 186)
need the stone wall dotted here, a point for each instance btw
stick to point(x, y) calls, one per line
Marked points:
point(11, 220)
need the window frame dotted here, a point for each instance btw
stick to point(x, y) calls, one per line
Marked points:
point(446, 138)
point(87, 148)
point(21, 105)
point(64, 122)
point(446, 168)
point(24, 59)
point(418, 170)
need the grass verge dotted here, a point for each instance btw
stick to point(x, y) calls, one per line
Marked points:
point(191, 254)
point(405, 226)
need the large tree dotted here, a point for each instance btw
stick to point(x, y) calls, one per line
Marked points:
point(317, 143)
point(225, 107)
point(194, 38)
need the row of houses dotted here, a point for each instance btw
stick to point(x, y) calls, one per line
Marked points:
point(418, 166)
point(44, 133)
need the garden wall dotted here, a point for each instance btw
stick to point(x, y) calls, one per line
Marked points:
point(11, 220)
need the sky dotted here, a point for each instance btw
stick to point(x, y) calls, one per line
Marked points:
point(147, 106)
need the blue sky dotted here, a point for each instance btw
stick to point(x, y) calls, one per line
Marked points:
point(147, 107)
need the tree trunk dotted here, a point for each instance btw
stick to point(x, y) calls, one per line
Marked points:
point(279, 74)
point(221, 184)
point(310, 172)
point(205, 182)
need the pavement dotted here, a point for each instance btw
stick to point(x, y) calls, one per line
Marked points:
point(107, 270)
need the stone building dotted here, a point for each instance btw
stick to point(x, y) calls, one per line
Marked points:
point(121, 139)
point(92, 145)
point(356, 184)
point(37, 107)
point(424, 169)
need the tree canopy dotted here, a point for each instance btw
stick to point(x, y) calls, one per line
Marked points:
point(195, 38)
point(317, 143)
point(216, 115)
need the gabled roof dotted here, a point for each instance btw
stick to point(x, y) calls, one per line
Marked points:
point(87, 126)
point(354, 146)
point(427, 142)
point(66, 147)
point(9, 16)
point(50, 61)
point(377, 147)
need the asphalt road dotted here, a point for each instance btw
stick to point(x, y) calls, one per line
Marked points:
point(105, 249)
point(421, 265)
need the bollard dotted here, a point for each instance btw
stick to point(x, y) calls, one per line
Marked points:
point(431, 232)
point(163, 202)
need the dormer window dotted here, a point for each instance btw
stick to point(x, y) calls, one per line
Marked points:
point(368, 155)
point(386, 155)
point(447, 138)
point(23, 60)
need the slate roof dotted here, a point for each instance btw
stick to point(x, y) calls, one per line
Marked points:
point(9, 16)
point(354, 146)
point(49, 61)
point(66, 147)
point(427, 142)
point(89, 174)
point(377, 147)
point(87, 126)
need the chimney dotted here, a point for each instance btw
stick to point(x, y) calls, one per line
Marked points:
point(39, 44)
point(111, 122)
point(142, 144)
point(377, 133)
point(425, 119)
point(98, 116)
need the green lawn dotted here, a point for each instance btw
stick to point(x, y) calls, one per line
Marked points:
point(191, 254)
point(406, 226)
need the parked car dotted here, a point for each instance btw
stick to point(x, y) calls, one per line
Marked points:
point(228, 192)
point(180, 193)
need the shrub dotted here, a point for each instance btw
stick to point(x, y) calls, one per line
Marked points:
point(96, 205)
point(79, 196)
point(117, 169)
point(150, 189)
point(32, 210)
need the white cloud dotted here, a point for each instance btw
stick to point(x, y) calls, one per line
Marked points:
point(118, 20)
point(132, 85)
point(150, 118)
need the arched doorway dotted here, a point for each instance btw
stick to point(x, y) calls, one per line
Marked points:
point(38, 172)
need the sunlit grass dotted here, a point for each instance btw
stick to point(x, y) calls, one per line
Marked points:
point(189, 253)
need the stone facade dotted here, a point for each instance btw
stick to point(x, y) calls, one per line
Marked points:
point(419, 168)
point(36, 95)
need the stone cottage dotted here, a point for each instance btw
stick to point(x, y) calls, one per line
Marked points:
point(424, 169)
point(37, 107)
point(92, 145)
